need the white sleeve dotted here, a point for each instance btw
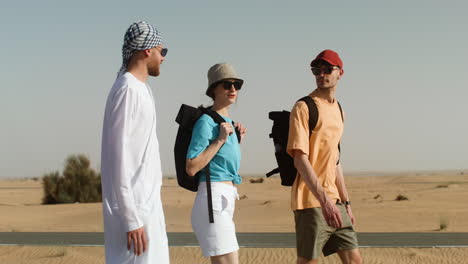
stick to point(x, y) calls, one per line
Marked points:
point(122, 122)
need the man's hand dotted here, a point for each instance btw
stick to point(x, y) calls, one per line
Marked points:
point(242, 130)
point(350, 213)
point(137, 237)
point(332, 214)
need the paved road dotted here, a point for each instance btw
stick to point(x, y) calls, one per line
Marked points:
point(251, 240)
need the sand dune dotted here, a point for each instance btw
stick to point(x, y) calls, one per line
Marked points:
point(433, 201)
point(95, 255)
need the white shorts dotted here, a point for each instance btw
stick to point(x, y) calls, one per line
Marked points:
point(216, 238)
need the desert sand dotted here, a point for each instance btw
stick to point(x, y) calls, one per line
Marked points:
point(435, 200)
point(181, 255)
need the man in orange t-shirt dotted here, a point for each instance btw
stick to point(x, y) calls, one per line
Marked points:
point(322, 210)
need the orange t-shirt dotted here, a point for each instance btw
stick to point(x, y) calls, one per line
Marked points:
point(321, 146)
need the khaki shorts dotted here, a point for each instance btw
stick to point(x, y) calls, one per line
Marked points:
point(314, 235)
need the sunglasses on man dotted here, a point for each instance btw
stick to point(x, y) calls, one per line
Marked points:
point(325, 70)
point(228, 84)
point(163, 52)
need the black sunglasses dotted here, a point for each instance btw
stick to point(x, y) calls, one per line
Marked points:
point(325, 70)
point(228, 84)
point(163, 52)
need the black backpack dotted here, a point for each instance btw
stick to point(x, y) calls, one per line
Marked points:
point(186, 118)
point(279, 134)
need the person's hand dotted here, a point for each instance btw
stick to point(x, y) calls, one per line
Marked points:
point(225, 130)
point(242, 130)
point(332, 214)
point(137, 239)
point(350, 213)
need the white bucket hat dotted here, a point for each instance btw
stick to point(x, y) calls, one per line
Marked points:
point(220, 72)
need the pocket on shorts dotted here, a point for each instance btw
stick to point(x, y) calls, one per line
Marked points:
point(220, 202)
point(346, 220)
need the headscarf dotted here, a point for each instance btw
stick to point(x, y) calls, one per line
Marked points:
point(139, 36)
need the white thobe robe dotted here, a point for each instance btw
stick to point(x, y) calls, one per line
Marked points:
point(131, 173)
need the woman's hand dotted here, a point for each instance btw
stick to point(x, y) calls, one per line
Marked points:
point(241, 129)
point(192, 166)
point(225, 130)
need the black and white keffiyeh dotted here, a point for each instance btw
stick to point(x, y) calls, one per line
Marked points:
point(139, 36)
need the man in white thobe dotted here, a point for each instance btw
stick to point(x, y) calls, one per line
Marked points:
point(134, 227)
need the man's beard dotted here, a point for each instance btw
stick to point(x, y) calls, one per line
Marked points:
point(154, 71)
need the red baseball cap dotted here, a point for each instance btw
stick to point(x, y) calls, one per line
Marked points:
point(329, 56)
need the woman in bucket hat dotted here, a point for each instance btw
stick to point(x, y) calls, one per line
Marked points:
point(217, 146)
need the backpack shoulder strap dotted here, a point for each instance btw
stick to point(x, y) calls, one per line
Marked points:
point(339, 143)
point(341, 110)
point(219, 119)
point(313, 112)
point(214, 115)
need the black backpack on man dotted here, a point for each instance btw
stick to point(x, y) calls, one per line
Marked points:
point(279, 134)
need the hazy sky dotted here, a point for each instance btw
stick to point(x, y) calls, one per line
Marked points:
point(404, 90)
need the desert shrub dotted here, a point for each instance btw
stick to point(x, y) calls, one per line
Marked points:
point(443, 226)
point(256, 180)
point(401, 197)
point(49, 184)
point(79, 183)
point(443, 223)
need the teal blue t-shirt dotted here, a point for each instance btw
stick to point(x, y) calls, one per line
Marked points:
point(225, 164)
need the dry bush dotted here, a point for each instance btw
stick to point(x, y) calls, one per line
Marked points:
point(443, 224)
point(401, 197)
point(79, 183)
point(257, 180)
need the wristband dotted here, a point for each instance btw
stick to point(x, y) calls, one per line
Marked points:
point(347, 203)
